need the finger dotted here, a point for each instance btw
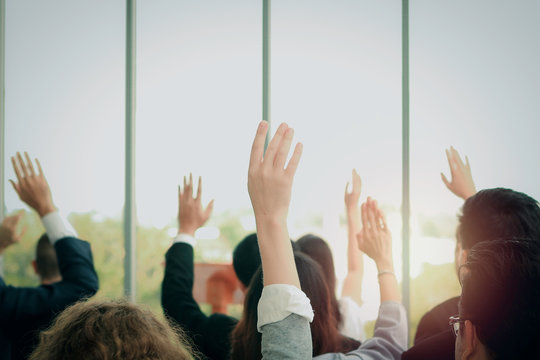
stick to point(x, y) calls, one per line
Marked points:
point(40, 170)
point(273, 146)
point(22, 165)
point(19, 236)
point(257, 148)
point(347, 188)
point(15, 186)
point(295, 160)
point(467, 163)
point(445, 180)
point(209, 208)
point(179, 191)
point(190, 185)
point(382, 218)
point(357, 182)
point(16, 168)
point(363, 213)
point(284, 148)
point(449, 158)
point(29, 164)
point(371, 215)
point(199, 188)
point(185, 185)
point(457, 158)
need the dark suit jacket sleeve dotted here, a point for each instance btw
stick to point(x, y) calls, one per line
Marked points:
point(435, 321)
point(209, 333)
point(22, 305)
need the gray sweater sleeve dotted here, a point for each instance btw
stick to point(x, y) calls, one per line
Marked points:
point(389, 340)
point(287, 339)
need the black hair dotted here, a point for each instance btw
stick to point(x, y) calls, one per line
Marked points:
point(498, 214)
point(46, 261)
point(501, 296)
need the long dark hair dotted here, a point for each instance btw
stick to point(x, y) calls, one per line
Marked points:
point(246, 340)
point(317, 249)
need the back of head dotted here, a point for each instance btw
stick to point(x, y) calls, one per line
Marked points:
point(46, 261)
point(246, 258)
point(246, 340)
point(501, 297)
point(498, 214)
point(317, 249)
point(108, 330)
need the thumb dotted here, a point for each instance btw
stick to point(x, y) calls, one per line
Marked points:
point(209, 209)
point(445, 181)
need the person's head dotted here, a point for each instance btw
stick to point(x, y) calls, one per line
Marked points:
point(45, 264)
point(246, 340)
point(107, 330)
point(496, 214)
point(499, 309)
point(317, 249)
point(246, 259)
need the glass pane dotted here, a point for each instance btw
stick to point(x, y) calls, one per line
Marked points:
point(199, 103)
point(475, 82)
point(336, 78)
point(64, 105)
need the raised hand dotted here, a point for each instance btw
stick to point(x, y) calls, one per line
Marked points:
point(8, 232)
point(32, 188)
point(375, 239)
point(352, 284)
point(462, 184)
point(352, 198)
point(269, 181)
point(191, 214)
point(269, 185)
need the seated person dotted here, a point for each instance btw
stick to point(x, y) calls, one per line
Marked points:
point(110, 329)
point(246, 340)
point(284, 310)
point(210, 334)
point(24, 311)
point(487, 215)
point(347, 309)
point(499, 309)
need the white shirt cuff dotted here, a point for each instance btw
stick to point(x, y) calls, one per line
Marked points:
point(184, 238)
point(57, 227)
point(279, 301)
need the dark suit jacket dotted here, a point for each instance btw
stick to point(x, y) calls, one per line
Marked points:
point(210, 334)
point(434, 338)
point(24, 311)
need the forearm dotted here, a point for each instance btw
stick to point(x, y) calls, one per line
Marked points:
point(355, 260)
point(276, 252)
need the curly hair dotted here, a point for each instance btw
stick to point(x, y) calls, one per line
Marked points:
point(110, 329)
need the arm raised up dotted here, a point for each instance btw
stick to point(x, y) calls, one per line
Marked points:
point(352, 285)
point(461, 184)
point(269, 186)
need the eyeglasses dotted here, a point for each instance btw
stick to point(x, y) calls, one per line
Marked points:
point(454, 322)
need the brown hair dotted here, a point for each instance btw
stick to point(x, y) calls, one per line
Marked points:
point(317, 249)
point(46, 261)
point(110, 329)
point(246, 340)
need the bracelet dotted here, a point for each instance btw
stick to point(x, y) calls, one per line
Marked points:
point(385, 272)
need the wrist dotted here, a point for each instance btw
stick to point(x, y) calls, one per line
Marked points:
point(385, 266)
point(187, 230)
point(45, 210)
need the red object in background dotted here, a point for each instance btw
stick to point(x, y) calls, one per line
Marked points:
point(217, 285)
